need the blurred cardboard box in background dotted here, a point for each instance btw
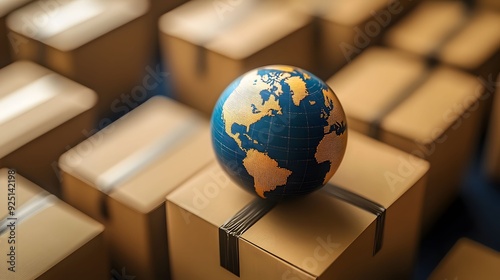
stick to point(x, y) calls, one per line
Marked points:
point(206, 47)
point(42, 114)
point(453, 34)
point(104, 45)
point(49, 239)
point(468, 260)
point(344, 28)
point(431, 112)
point(121, 175)
point(6, 7)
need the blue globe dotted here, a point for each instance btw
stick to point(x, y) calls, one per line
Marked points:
point(279, 131)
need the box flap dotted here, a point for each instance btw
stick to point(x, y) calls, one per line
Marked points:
point(468, 260)
point(149, 187)
point(381, 164)
point(236, 31)
point(292, 231)
point(69, 24)
point(343, 12)
point(7, 6)
point(423, 30)
point(40, 100)
point(477, 42)
point(145, 154)
point(25, 190)
point(372, 82)
point(211, 195)
point(48, 236)
point(434, 106)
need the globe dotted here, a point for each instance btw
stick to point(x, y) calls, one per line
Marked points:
point(279, 131)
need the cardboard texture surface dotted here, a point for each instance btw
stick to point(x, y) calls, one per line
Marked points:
point(468, 260)
point(6, 7)
point(42, 115)
point(105, 45)
point(315, 237)
point(343, 29)
point(206, 48)
point(492, 150)
point(52, 240)
point(453, 34)
point(384, 93)
point(121, 175)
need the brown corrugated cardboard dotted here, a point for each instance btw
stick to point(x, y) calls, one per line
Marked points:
point(156, 10)
point(205, 47)
point(468, 260)
point(433, 113)
point(49, 239)
point(121, 175)
point(318, 236)
point(345, 28)
point(492, 150)
point(159, 7)
point(42, 115)
point(451, 33)
point(488, 4)
point(105, 45)
point(6, 7)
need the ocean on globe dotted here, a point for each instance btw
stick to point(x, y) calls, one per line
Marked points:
point(279, 131)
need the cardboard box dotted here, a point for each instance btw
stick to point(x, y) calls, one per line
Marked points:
point(432, 113)
point(6, 7)
point(157, 9)
point(488, 4)
point(206, 46)
point(160, 7)
point(451, 33)
point(105, 45)
point(492, 150)
point(468, 260)
point(345, 28)
point(319, 236)
point(43, 237)
point(121, 175)
point(42, 114)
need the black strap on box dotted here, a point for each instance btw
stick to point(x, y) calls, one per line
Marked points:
point(364, 204)
point(231, 230)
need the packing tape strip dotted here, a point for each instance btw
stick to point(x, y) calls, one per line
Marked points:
point(28, 209)
point(138, 160)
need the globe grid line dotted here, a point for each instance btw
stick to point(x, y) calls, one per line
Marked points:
point(308, 139)
point(288, 142)
point(269, 165)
